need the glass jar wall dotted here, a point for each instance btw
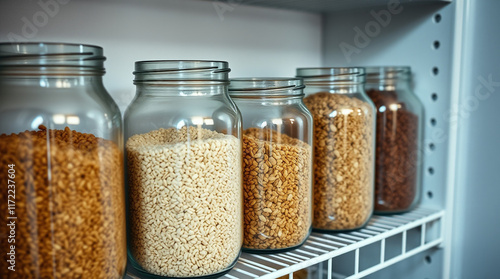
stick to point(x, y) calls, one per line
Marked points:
point(399, 137)
point(183, 145)
point(344, 139)
point(277, 163)
point(61, 165)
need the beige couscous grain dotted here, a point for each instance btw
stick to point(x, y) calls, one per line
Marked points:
point(185, 201)
point(343, 161)
point(276, 190)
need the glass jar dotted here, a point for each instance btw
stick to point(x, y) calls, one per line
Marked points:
point(61, 164)
point(399, 135)
point(277, 163)
point(344, 139)
point(183, 145)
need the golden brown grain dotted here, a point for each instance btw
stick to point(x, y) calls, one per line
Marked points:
point(69, 205)
point(276, 190)
point(343, 161)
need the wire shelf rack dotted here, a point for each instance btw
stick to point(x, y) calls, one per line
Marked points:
point(385, 240)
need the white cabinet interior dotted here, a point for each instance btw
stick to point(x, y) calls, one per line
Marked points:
point(272, 38)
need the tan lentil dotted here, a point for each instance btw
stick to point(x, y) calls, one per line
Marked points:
point(69, 205)
point(343, 161)
point(185, 201)
point(277, 195)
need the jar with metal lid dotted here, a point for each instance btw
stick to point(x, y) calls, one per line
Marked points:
point(61, 165)
point(399, 137)
point(344, 139)
point(183, 145)
point(277, 163)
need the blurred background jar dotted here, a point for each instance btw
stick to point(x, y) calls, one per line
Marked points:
point(183, 145)
point(399, 138)
point(61, 164)
point(344, 142)
point(277, 163)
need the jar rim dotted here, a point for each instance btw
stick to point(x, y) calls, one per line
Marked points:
point(180, 60)
point(329, 75)
point(51, 58)
point(23, 49)
point(49, 43)
point(374, 73)
point(315, 71)
point(266, 87)
point(181, 71)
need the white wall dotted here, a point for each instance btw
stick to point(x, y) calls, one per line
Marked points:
point(256, 41)
point(405, 37)
point(475, 245)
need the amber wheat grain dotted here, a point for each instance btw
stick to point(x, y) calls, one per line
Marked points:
point(343, 161)
point(276, 189)
point(69, 205)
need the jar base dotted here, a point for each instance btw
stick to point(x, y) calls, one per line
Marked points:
point(133, 268)
point(393, 212)
point(275, 251)
point(339, 230)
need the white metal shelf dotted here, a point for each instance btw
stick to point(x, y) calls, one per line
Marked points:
point(390, 238)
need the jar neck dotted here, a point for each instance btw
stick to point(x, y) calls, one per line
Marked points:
point(388, 84)
point(335, 88)
point(50, 59)
point(181, 90)
point(61, 81)
point(270, 101)
point(388, 78)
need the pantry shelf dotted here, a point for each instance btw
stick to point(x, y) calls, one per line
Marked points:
point(386, 240)
point(320, 6)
